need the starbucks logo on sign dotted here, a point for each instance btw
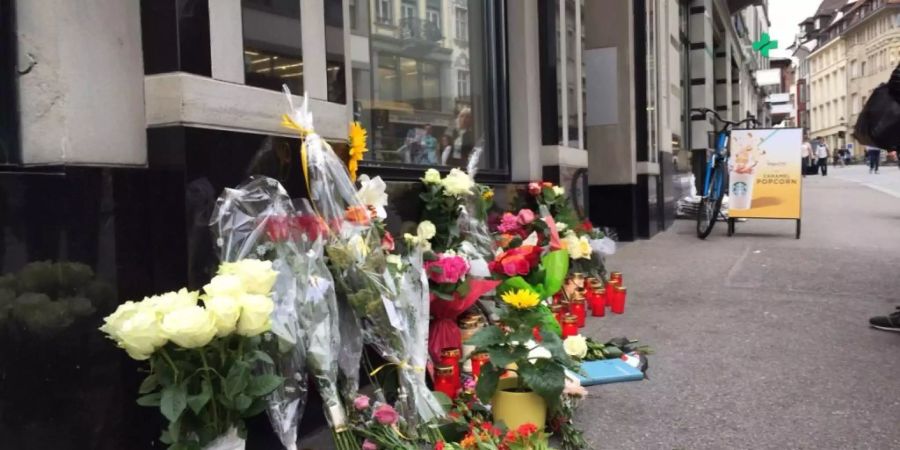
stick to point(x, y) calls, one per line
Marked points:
point(739, 188)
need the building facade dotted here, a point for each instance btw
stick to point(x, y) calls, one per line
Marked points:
point(855, 46)
point(121, 122)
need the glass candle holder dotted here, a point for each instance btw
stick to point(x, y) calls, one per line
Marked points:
point(443, 381)
point(570, 326)
point(478, 361)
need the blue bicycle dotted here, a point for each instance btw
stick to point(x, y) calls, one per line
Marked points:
point(715, 183)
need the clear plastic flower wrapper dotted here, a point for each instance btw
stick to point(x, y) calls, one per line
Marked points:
point(259, 219)
point(387, 296)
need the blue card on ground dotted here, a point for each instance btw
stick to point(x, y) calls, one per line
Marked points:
point(607, 371)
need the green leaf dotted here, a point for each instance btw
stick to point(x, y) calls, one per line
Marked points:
point(487, 382)
point(262, 385)
point(486, 337)
point(258, 406)
point(149, 399)
point(173, 401)
point(260, 355)
point(237, 379)
point(546, 378)
point(149, 384)
point(175, 431)
point(504, 356)
point(242, 402)
point(446, 402)
point(197, 402)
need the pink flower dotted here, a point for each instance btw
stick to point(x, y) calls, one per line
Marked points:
point(534, 188)
point(509, 223)
point(385, 414)
point(447, 269)
point(387, 241)
point(369, 445)
point(469, 385)
point(526, 216)
point(361, 403)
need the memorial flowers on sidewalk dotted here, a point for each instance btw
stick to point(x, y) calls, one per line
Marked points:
point(386, 305)
point(202, 356)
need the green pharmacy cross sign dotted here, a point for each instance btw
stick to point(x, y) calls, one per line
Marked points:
point(764, 45)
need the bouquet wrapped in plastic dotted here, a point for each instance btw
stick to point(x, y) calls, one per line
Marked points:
point(259, 219)
point(386, 296)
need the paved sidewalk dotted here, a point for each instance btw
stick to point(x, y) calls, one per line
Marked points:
point(762, 340)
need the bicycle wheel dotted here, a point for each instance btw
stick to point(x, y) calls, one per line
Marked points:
point(711, 202)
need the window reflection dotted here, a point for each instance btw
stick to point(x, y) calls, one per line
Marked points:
point(272, 44)
point(419, 80)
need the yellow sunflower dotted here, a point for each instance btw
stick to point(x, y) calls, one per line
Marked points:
point(357, 148)
point(521, 298)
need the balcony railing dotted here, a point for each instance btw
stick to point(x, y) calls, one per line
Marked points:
point(416, 29)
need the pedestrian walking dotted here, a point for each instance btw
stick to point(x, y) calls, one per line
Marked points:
point(822, 154)
point(873, 154)
point(878, 126)
point(806, 153)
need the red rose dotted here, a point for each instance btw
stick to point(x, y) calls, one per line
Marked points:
point(587, 226)
point(516, 261)
point(534, 188)
point(277, 228)
point(387, 242)
point(439, 445)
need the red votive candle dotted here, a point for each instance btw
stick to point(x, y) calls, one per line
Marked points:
point(570, 326)
point(450, 357)
point(479, 360)
point(617, 300)
point(558, 312)
point(617, 276)
point(577, 309)
point(598, 305)
point(443, 381)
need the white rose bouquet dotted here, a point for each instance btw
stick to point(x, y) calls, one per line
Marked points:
point(202, 356)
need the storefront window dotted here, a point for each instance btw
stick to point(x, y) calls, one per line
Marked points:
point(334, 51)
point(423, 100)
point(272, 51)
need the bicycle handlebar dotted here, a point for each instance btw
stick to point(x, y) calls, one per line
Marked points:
point(706, 111)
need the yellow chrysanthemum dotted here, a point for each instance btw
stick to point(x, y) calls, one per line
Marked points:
point(521, 298)
point(488, 194)
point(357, 148)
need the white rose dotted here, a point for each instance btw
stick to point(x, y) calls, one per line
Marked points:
point(140, 335)
point(432, 176)
point(256, 312)
point(226, 311)
point(426, 230)
point(578, 248)
point(576, 346)
point(170, 301)
point(190, 327)
point(256, 276)
point(224, 286)
point(559, 191)
point(458, 183)
point(112, 324)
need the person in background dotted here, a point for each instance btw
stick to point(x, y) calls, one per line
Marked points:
point(447, 147)
point(806, 153)
point(873, 155)
point(429, 147)
point(877, 125)
point(463, 140)
point(822, 154)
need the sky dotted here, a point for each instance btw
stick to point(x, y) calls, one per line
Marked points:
point(785, 16)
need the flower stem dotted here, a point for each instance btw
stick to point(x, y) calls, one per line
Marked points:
point(215, 409)
point(168, 359)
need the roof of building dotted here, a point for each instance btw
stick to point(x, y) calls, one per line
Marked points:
point(829, 6)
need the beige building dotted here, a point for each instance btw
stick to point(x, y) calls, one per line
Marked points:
point(873, 45)
point(854, 53)
point(828, 78)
